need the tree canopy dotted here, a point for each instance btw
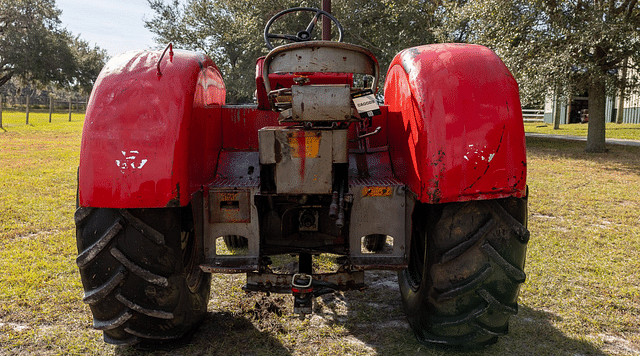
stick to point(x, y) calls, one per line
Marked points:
point(231, 31)
point(35, 49)
point(551, 46)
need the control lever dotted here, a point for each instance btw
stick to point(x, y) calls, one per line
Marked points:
point(377, 130)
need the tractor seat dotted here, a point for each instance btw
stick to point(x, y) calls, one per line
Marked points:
point(286, 80)
point(319, 64)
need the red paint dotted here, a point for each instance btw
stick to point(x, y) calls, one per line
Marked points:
point(240, 125)
point(452, 122)
point(135, 115)
point(455, 124)
point(285, 80)
point(302, 152)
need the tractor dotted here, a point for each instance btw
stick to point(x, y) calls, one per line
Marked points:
point(174, 185)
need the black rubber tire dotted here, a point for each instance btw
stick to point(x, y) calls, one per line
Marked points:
point(465, 269)
point(375, 243)
point(140, 272)
point(235, 242)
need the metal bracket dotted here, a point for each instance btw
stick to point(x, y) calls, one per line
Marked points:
point(170, 48)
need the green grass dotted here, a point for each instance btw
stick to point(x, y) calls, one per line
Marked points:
point(582, 295)
point(617, 131)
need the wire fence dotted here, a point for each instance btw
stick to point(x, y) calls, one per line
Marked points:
point(533, 115)
point(69, 105)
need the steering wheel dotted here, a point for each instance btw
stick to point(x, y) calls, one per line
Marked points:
point(304, 35)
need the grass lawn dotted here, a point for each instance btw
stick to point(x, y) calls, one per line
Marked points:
point(582, 295)
point(618, 131)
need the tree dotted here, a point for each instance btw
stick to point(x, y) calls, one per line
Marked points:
point(231, 31)
point(577, 45)
point(88, 62)
point(36, 50)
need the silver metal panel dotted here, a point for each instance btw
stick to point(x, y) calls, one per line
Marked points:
point(249, 229)
point(340, 146)
point(303, 158)
point(379, 207)
point(377, 164)
point(266, 139)
point(230, 205)
point(305, 161)
point(320, 103)
point(239, 166)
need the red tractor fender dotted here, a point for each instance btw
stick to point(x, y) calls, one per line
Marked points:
point(151, 137)
point(455, 126)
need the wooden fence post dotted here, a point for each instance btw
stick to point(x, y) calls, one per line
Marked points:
point(50, 106)
point(27, 109)
point(1, 112)
point(69, 108)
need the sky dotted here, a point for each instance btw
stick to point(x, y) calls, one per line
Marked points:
point(114, 25)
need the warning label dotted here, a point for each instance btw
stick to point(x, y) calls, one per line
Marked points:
point(366, 104)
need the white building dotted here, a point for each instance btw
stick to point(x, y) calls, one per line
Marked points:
point(571, 113)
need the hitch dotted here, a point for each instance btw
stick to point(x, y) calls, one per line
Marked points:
point(304, 286)
point(302, 290)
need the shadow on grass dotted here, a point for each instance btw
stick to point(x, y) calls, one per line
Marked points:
point(384, 329)
point(220, 333)
point(532, 332)
point(624, 157)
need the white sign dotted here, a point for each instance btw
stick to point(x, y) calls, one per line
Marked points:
point(366, 103)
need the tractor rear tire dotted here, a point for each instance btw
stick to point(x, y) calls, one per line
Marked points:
point(236, 242)
point(375, 242)
point(465, 270)
point(140, 272)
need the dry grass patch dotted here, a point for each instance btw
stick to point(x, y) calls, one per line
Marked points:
point(618, 131)
point(582, 295)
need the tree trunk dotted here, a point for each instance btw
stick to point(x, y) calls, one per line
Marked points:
point(597, 100)
point(623, 87)
point(1, 112)
point(556, 110)
point(50, 106)
point(27, 109)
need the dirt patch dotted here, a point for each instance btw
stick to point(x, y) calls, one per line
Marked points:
point(15, 326)
point(618, 346)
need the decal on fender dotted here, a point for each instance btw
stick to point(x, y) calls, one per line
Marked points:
point(130, 160)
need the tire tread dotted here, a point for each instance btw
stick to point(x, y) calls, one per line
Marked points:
point(91, 252)
point(458, 250)
point(121, 253)
point(465, 291)
point(160, 314)
point(510, 270)
point(139, 271)
point(153, 234)
point(113, 323)
point(99, 293)
point(467, 285)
